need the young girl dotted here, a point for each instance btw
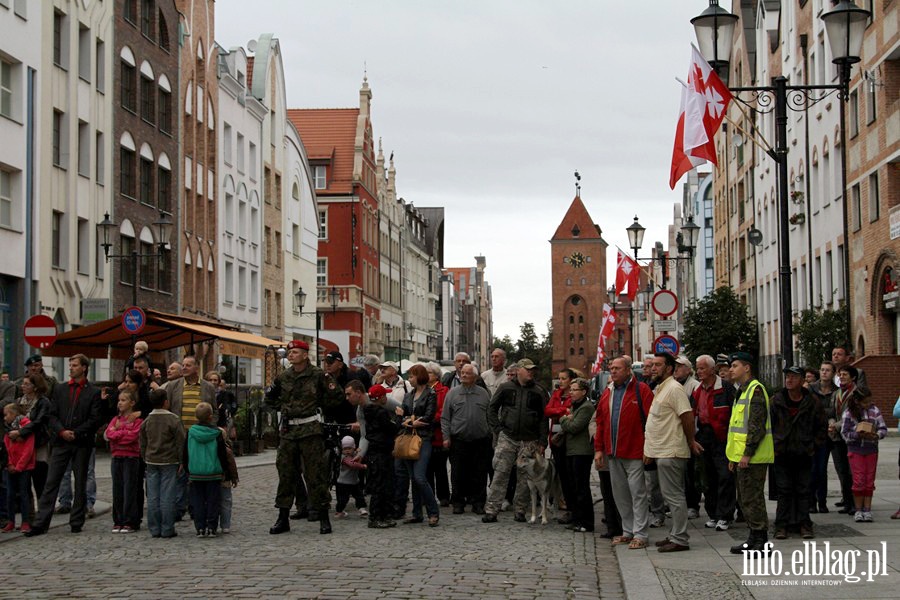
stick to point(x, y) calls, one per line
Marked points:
point(862, 446)
point(348, 480)
point(20, 466)
point(123, 434)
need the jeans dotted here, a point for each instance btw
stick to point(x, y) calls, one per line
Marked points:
point(18, 485)
point(65, 488)
point(842, 466)
point(161, 482)
point(818, 484)
point(401, 487)
point(126, 482)
point(206, 497)
point(181, 494)
point(225, 507)
point(416, 470)
point(671, 484)
point(437, 473)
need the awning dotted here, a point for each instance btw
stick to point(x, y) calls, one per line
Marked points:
point(107, 339)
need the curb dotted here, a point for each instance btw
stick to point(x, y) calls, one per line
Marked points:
point(639, 577)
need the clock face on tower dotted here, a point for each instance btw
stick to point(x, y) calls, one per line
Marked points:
point(577, 260)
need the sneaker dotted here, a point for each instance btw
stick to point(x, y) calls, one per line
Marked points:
point(693, 513)
point(25, 528)
point(363, 512)
point(722, 525)
point(10, 527)
point(126, 529)
point(211, 533)
point(867, 517)
point(711, 524)
point(340, 515)
point(117, 529)
point(201, 533)
point(657, 522)
point(858, 517)
point(226, 530)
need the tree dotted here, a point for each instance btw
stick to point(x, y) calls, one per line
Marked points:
point(539, 350)
point(528, 339)
point(720, 322)
point(818, 332)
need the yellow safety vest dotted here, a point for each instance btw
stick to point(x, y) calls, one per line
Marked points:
point(737, 429)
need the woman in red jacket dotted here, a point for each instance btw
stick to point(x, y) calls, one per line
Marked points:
point(18, 469)
point(559, 405)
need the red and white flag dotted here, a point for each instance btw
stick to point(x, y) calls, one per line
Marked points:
point(628, 273)
point(704, 100)
point(607, 326)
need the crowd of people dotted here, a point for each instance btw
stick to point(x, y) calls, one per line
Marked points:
point(663, 441)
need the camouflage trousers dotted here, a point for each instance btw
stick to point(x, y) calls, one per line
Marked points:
point(311, 450)
point(750, 484)
point(506, 452)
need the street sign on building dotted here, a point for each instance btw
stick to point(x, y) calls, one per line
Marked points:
point(665, 325)
point(40, 332)
point(133, 320)
point(94, 310)
point(666, 343)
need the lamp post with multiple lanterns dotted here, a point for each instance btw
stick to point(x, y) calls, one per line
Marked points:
point(300, 297)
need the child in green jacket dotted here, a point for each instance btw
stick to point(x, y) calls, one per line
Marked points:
point(205, 460)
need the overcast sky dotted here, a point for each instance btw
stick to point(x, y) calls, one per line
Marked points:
point(490, 106)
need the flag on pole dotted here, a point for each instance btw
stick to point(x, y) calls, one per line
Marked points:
point(628, 273)
point(704, 99)
point(606, 328)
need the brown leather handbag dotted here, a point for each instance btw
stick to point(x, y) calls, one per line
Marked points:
point(408, 445)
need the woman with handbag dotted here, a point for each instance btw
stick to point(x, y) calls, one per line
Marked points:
point(558, 406)
point(574, 426)
point(419, 409)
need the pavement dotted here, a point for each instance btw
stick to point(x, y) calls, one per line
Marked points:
point(460, 559)
point(709, 570)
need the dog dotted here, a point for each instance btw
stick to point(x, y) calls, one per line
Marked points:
point(540, 475)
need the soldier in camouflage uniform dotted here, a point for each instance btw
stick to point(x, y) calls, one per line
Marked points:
point(301, 393)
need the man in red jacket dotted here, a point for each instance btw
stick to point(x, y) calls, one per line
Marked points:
point(712, 401)
point(620, 440)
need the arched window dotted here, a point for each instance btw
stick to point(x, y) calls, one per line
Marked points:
point(571, 319)
point(163, 33)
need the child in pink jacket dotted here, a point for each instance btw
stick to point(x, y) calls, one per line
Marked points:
point(19, 468)
point(123, 434)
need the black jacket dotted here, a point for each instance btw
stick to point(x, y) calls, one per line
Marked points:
point(801, 433)
point(424, 408)
point(83, 417)
point(381, 427)
point(38, 417)
point(518, 411)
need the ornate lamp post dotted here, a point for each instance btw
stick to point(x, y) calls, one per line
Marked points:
point(163, 226)
point(845, 25)
point(687, 243)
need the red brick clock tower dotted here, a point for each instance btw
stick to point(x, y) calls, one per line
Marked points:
point(578, 275)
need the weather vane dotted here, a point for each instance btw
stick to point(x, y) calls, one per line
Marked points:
point(577, 184)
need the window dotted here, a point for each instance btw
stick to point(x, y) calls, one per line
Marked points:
point(100, 166)
point(267, 307)
point(56, 240)
point(164, 275)
point(164, 189)
point(853, 114)
point(253, 173)
point(267, 177)
point(278, 309)
point(319, 172)
point(148, 112)
point(84, 53)
point(295, 240)
point(322, 272)
point(129, 87)
point(277, 191)
point(147, 18)
point(146, 196)
point(57, 138)
point(127, 172)
point(163, 33)
point(268, 247)
point(100, 65)
point(855, 208)
point(84, 246)
point(229, 212)
point(226, 143)
point(254, 289)
point(323, 225)
point(278, 249)
point(84, 149)
point(60, 41)
point(129, 11)
point(874, 201)
point(6, 206)
point(229, 282)
point(6, 89)
point(165, 111)
point(240, 152)
point(148, 257)
point(870, 102)
point(242, 286)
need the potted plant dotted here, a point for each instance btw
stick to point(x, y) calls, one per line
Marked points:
point(797, 196)
point(797, 219)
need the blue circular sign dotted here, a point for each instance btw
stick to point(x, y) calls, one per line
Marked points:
point(133, 320)
point(666, 343)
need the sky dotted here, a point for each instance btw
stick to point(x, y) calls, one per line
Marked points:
point(490, 106)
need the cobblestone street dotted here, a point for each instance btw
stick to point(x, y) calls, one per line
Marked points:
point(462, 558)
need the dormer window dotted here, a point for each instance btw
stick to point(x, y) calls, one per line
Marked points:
point(576, 231)
point(320, 177)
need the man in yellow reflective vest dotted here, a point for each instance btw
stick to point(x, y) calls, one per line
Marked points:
point(750, 449)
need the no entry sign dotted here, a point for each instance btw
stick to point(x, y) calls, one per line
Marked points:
point(40, 331)
point(664, 303)
point(133, 320)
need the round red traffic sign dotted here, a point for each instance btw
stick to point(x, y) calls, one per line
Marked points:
point(40, 331)
point(664, 303)
point(133, 320)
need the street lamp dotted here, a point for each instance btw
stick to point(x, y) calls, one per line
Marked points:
point(844, 26)
point(300, 296)
point(163, 226)
point(688, 243)
point(411, 331)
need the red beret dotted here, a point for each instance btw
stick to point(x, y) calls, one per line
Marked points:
point(298, 344)
point(377, 391)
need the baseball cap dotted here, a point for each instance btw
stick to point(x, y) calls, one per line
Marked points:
point(333, 356)
point(388, 363)
point(377, 391)
point(526, 363)
point(298, 344)
point(794, 370)
point(722, 359)
point(683, 361)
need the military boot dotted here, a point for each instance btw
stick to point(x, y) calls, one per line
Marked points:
point(759, 542)
point(324, 523)
point(283, 523)
point(748, 545)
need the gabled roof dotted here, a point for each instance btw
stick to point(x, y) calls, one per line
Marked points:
point(577, 221)
point(329, 133)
